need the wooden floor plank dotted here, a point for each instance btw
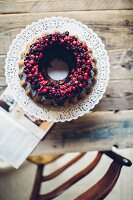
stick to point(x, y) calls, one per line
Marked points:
point(30, 6)
point(93, 130)
point(102, 22)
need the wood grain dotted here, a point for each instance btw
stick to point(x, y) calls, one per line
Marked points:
point(118, 96)
point(30, 6)
point(97, 131)
point(121, 62)
point(115, 98)
point(116, 34)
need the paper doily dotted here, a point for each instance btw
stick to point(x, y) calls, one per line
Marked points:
point(49, 25)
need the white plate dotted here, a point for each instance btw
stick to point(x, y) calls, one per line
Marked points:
point(61, 24)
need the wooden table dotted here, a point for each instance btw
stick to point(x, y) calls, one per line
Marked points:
point(112, 121)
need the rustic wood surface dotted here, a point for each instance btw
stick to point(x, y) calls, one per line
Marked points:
point(113, 22)
point(93, 131)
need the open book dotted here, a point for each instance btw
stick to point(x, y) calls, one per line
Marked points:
point(19, 132)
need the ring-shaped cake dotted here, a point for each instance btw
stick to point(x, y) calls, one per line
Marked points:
point(37, 58)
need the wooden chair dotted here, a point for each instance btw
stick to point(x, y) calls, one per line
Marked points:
point(97, 192)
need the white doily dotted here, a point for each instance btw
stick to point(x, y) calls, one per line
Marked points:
point(49, 25)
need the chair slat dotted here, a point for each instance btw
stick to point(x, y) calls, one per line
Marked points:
point(56, 192)
point(101, 189)
point(63, 168)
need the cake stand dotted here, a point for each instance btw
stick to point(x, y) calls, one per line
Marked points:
point(61, 24)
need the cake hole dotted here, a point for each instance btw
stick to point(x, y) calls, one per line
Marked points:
point(57, 62)
point(57, 69)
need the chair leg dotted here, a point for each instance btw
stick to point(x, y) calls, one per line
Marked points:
point(37, 183)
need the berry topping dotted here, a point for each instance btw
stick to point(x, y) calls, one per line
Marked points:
point(80, 73)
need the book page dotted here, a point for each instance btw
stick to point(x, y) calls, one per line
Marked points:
point(19, 133)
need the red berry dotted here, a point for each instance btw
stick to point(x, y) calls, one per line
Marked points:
point(61, 87)
point(62, 91)
point(29, 65)
point(39, 90)
point(62, 41)
point(70, 90)
point(85, 47)
point(88, 67)
point(80, 77)
point(86, 74)
point(31, 62)
point(36, 67)
point(74, 79)
point(41, 48)
point(27, 71)
point(41, 55)
point(36, 74)
point(44, 37)
point(76, 82)
point(53, 39)
point(38, 45)
point(80, 85)
point(43, 83)
point(32, 69)
point(44, 90)
point(29, 75)
point(41, 79)
point(88, 62)
point(85, 78)
point(66, 38)
point(47, 88)
point(79, 69)
point(32, 56)
point(78, 60)
point(74, 42)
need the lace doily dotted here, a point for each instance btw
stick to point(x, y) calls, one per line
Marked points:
point(50, 25)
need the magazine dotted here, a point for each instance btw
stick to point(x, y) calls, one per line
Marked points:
point(20, 133)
